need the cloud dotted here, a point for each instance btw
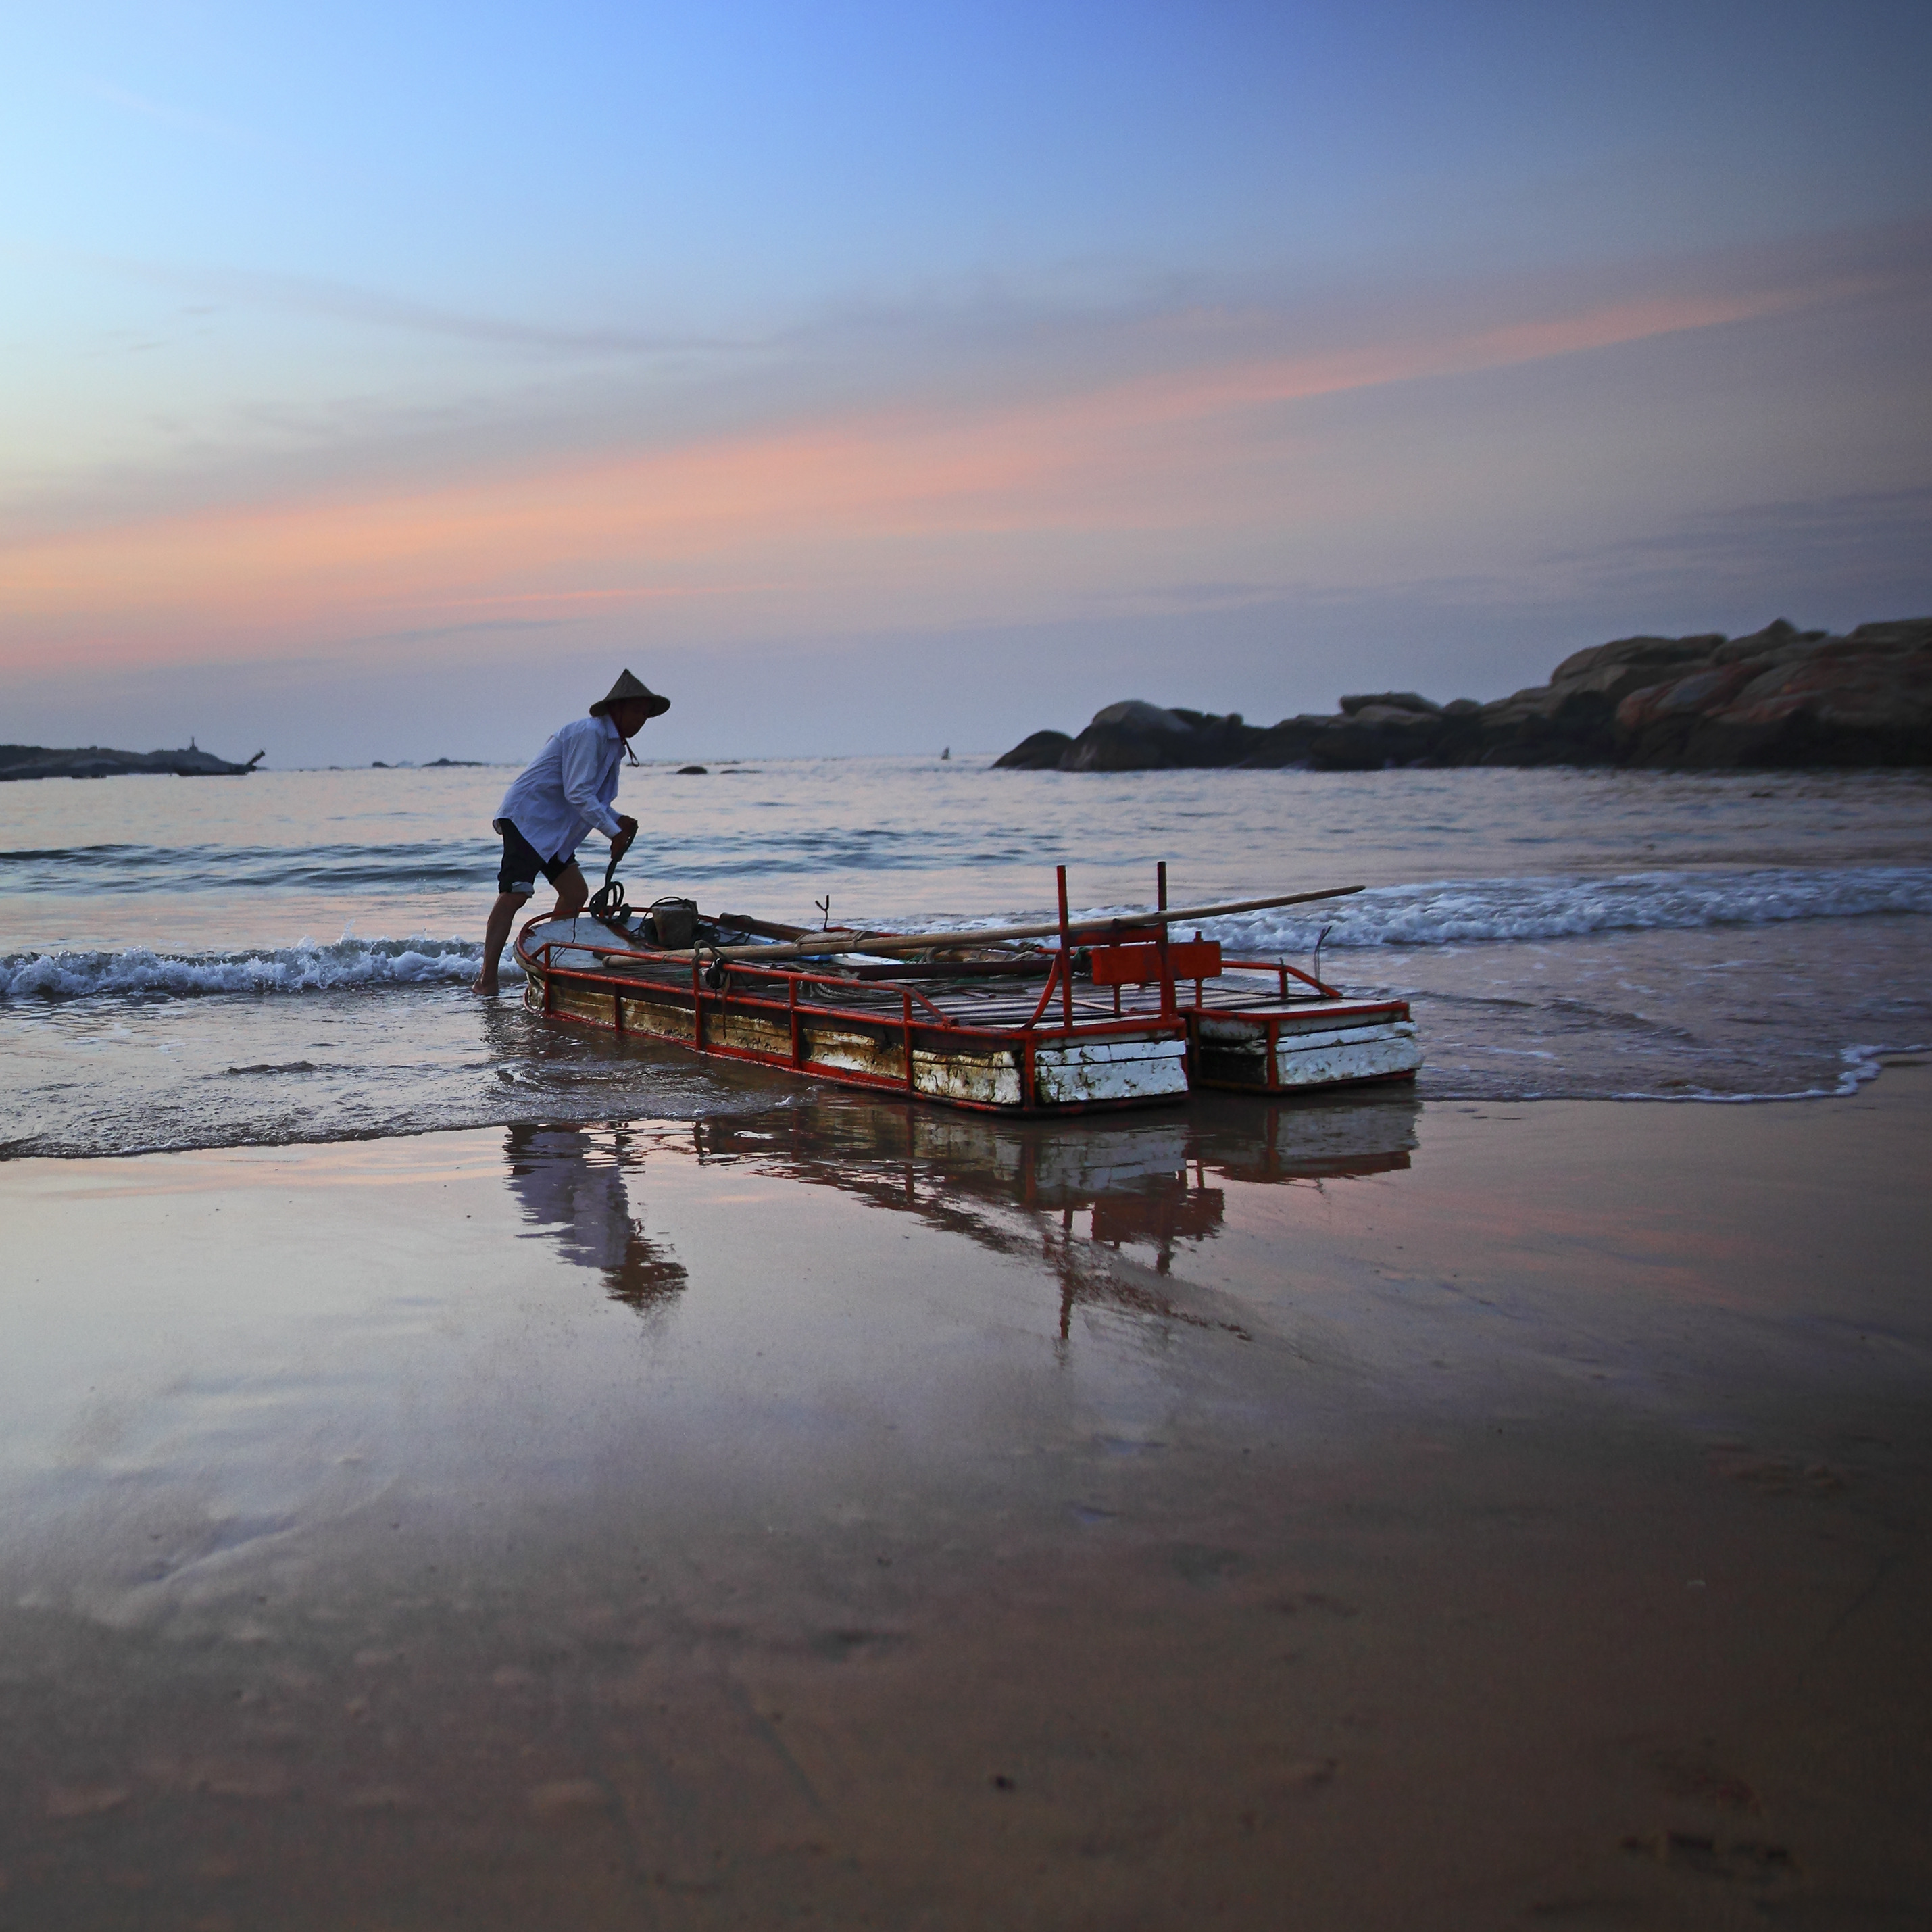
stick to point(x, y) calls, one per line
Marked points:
point(1855, 545)
point(991, 487)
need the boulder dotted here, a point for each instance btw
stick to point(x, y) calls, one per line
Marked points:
point(1777, 640)
point(1135, 737)
point(1530, 727)
point(1572, 719)
point(1655, 724)
point(1778, 696)
point(1135, 714)
point(1040, 752)
point(1792, 697)
point(1112, 748)
point(1637, 651)
point(1855, 708)
point(1396, 700)
point(1899, 635)
point(1376, 736)
point(1221, 742)
point(1287, 743)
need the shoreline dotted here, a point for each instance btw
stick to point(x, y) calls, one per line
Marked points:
point(1427, 1514)
point(1864, 1067)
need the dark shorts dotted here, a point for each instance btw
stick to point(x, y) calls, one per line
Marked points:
point(522, 863)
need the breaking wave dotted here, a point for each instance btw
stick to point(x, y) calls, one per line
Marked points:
point(1469, 911)
point(306, 967)
point(1860, 1064)
point(1437, 913)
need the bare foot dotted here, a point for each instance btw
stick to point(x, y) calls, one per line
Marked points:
point(486, 985)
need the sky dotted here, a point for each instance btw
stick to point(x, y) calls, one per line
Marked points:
point(376, 382)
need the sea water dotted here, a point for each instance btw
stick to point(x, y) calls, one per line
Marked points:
point(287, 956)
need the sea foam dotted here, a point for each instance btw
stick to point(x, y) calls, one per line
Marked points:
point(304, 967)
point(1441, 912)
point(1448, 912)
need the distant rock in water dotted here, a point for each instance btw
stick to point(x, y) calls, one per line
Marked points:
point(1041, 752)
point(1779, 697)
point(453, 764)
point(97, 761)
point(1137, 737)
point(694, 771)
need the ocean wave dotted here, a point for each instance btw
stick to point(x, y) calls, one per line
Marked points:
point(1449, 912)
point(696, 856)
point(1858, 1066)
point(422, 865)
point(1443, 912)
point(304, 967)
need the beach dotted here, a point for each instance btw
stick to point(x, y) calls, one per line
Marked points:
point(585, 1345)
point(1349, 1513)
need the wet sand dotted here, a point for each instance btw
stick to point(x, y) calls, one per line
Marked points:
point(1356, 1515)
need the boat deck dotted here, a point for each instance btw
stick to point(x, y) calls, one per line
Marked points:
point(1012, 1033)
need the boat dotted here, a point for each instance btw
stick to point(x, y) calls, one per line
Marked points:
point(1116, 1013)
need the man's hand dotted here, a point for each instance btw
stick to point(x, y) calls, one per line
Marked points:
point(627, 830)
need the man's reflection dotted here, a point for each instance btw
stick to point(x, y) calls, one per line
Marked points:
point(569, 1182)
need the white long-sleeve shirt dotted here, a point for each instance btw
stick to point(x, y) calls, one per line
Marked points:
point(567, 788)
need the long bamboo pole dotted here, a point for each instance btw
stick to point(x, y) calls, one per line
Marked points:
point(851, 940)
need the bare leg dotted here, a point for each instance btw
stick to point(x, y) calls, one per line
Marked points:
point(496, 934)
point(571, 894)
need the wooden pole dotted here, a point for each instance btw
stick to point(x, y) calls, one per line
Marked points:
point(1065, 962)
point(854, 940)
point(1166, 971)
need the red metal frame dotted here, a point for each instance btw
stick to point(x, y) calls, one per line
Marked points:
point(1174, 1021)
point(1135, 965)
point(912, 1032)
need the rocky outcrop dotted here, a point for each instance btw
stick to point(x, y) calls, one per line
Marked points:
point(96, 761)
point(1791, 697)
point(1136, 736)
point(1397, 728)
point(1040, 752)
point(1778, 697)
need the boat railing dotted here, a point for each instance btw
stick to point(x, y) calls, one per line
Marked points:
point(715, 977)
point(705, 991)
point(1286, 973)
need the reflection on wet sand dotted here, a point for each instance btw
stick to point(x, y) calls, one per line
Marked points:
point(1011, 1186)
point(1144, 1180)
point(1416, 1552)
point(570, 1183)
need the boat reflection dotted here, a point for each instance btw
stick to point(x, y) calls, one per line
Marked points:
point(1143, 1178)
point(570, 1183)
point(1156, 1184)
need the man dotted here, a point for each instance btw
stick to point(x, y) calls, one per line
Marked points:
point(566, 790)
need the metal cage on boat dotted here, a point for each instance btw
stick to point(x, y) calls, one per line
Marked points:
point(1125, 1014)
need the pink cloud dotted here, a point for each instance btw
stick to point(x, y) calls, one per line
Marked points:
point(812, 518)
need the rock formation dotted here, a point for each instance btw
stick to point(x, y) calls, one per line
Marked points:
point(1779, 697)
point(96, 761)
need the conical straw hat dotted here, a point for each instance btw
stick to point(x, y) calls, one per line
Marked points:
point(628, 686)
